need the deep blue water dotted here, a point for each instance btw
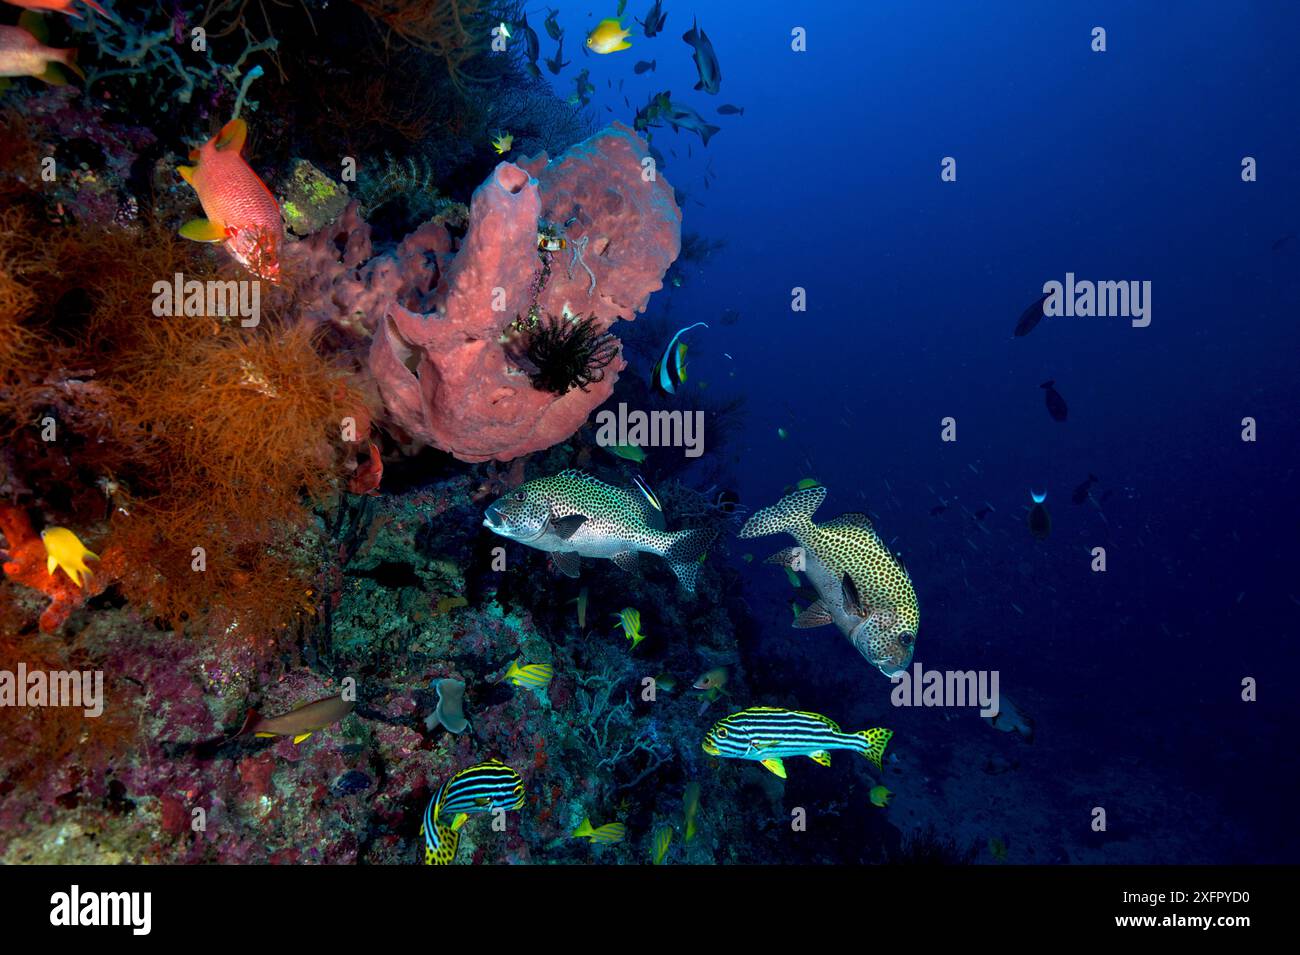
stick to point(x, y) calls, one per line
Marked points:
point(1122, 165)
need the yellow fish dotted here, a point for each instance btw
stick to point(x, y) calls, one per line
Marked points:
point(606, 835)
point(663, 839)
point(502, 143)
point(533, 676)
point(880, 796)
point(691, 805)
point(608, 37)
point(64, 549)
point(630, 618)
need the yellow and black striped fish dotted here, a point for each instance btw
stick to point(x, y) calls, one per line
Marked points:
point(532, 675)
point(607, 835)
point(767, 733)
point(484, 787)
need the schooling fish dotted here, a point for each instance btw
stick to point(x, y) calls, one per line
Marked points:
point(629, 619)
point(558, 62)
point(654, 20)
point(1039, 521)
point(1081, 492)
point(1010, 719)
point(532, 48)
point(583, 88)
point(690, 807)
point(683, 117)
point(299, 722)
point(23, 54)
point(864, 588)
point(65, 551)
point(606, 835)
point(726, 109)
point(706, 61)
point(573, 515)
point(533, 675)
point(1055, 403)
point(769, 733)
point(553, 26)
point(241, 210)
point(608, 37)
point(663, 838)
point(1030, 317)
point(670, 371)
point(643, 66)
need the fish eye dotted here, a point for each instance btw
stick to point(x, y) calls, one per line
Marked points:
point(906, 639)
point(519, 495)
point(722, 734)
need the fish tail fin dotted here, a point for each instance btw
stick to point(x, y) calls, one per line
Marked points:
point(707, 131)
point(790, 515)
point(583, 830)
point(875, 740)
point(685, 554)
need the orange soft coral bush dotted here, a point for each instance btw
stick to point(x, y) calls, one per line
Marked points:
point(190, 432)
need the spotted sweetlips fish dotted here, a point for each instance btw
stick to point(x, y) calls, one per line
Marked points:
point(573, 515)
point(862, 587)
point(241, 210)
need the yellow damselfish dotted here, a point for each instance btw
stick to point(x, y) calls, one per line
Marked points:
point(64, 549)
point(608, 37)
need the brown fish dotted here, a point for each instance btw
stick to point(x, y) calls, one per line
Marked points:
point(299, 722)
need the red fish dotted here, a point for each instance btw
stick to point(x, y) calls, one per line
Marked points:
point(366, 478)
point(23, 54)
point(61, 6)
point(241, 210)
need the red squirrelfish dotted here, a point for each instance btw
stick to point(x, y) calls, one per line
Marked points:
point(241, 210)
point(61, 6)
point(22, 54)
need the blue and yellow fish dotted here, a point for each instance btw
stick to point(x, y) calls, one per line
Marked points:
point(483, 787)
point(767, 733)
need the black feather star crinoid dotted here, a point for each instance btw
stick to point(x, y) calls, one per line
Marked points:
point(568, 353)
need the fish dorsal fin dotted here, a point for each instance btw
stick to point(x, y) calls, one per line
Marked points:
point(566, 527)
point(826, 721)
point(816, 615)
point(231, 137)
point(567, 562)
